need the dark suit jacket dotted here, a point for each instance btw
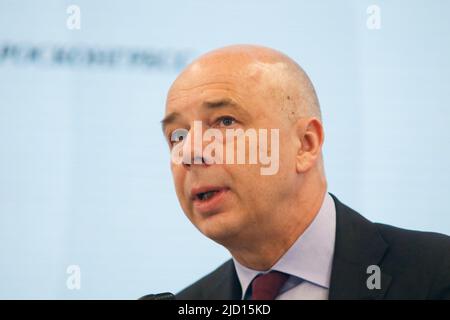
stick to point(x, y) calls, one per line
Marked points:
point(413, 264)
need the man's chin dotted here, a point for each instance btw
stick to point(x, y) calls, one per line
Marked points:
point(220, 227)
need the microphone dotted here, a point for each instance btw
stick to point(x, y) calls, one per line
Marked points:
point(159, 296)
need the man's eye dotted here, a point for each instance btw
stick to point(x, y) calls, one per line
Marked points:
point(226, 121)
point(178, 135)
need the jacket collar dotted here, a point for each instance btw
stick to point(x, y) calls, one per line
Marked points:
point(358, 245)
point(227, 286)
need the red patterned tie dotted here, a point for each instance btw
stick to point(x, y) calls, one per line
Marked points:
point(266, 286)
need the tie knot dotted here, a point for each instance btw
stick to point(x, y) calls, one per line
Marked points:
point(266, 286)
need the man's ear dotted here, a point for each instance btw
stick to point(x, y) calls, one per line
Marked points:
point(311, 136)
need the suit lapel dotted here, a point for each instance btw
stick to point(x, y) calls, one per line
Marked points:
point(358, 245)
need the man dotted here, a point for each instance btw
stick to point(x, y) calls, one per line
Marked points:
point(288, 237)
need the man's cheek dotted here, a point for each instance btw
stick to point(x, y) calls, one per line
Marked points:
point(178, 178)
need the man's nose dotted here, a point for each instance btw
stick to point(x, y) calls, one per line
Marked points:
point(193, 147)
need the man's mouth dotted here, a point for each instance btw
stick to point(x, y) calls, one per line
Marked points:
point(206, 195)
point(207, 199)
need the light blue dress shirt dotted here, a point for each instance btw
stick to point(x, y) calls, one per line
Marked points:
point(308, 261)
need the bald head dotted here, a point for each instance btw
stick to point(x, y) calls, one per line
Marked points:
point(272, 73)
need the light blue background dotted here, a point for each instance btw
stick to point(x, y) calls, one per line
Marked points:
point(84, 169)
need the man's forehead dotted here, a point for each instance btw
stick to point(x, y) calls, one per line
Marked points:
point(201, 91)
point(204, 98)
point(211, 87)
point(200, 82)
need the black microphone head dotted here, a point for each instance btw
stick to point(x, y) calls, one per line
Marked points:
point(159, 296)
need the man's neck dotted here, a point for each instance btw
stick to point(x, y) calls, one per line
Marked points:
point(264, 251)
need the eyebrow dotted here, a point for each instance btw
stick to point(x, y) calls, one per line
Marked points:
point(221, 103)
point(211, 105)
point(170, 118)
point(226, 103)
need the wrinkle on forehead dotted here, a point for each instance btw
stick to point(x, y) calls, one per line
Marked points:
point(266, 74)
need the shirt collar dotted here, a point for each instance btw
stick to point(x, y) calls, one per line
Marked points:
point(310, 258)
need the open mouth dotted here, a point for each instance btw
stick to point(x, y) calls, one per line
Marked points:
point(208, 199)
point(203, 196)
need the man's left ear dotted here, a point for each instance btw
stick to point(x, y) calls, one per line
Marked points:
point(311, 135)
